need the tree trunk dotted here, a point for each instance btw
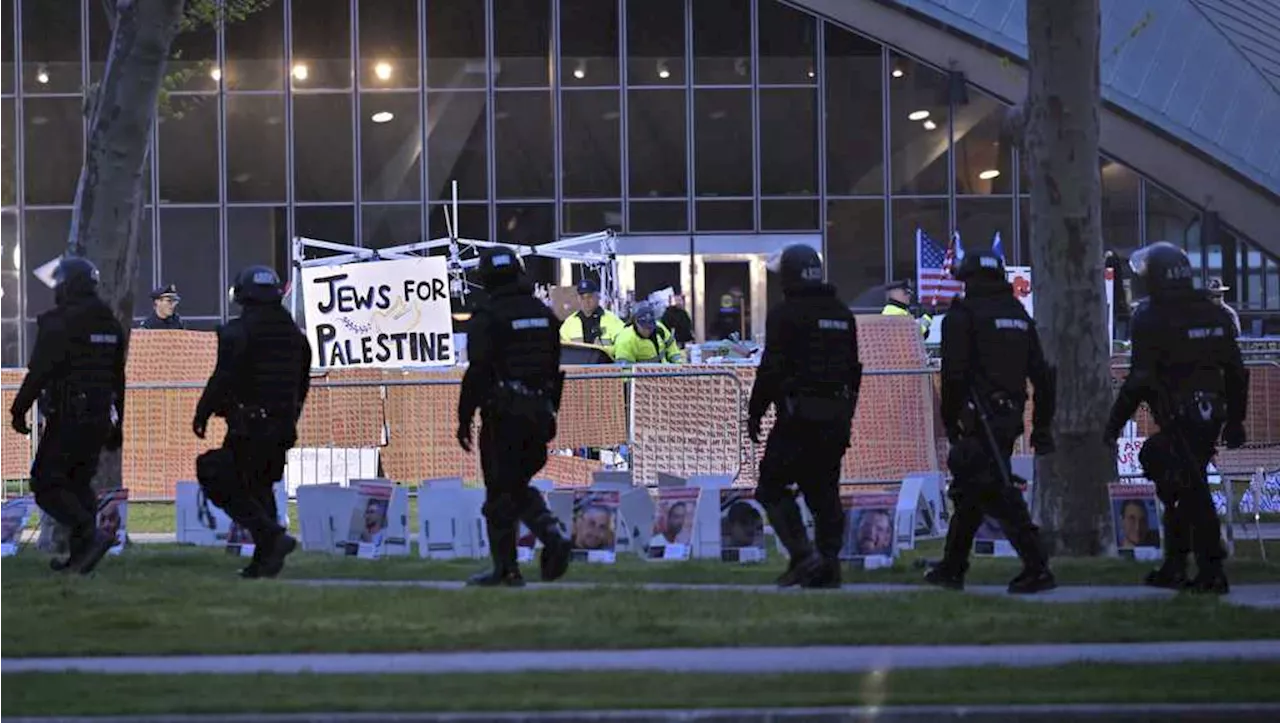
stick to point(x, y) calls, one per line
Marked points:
point(1061, 142)
point(108, 210)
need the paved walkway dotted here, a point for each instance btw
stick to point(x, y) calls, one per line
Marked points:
point(1263, 596)
point(836, 659)
point(1214, 713)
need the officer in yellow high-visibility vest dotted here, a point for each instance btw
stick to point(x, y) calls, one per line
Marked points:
point(645, 340)
point(591, 324)
point(897, 302)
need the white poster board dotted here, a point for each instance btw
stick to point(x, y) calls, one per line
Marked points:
point(15, 514)
point(378, 524)
point(1019, 278)
point(381, 314)
point(204, 524)
point(113, 517)
point(327, 466)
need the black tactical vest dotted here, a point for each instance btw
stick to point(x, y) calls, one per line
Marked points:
point(86, 384)
point(1001, 337)
point(269, 375)
point(525, 335)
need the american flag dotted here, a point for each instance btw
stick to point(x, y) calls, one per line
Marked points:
point(934, 265)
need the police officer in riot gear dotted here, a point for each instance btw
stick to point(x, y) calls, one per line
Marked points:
point(1187, 368)
point(77, 373)
point(990, 348)
point(514, 379)
point(259, 386)
point(811, 375)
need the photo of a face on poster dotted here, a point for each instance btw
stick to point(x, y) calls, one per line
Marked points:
point(868, 526)
point(595, 520)
point(369, 518)
point(674, 517)
point(741, 526)
point(113, 513)
point(1134, 516)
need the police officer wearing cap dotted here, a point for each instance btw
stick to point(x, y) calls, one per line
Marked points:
point(592, 323)
point(990, 348)
point(646, 340)
point(77, 374)
point(164, 310)
point(1187, 368)
point(1217, 292)
point(811, 375)
point(898, 302)
point(513, 377)
point(259, 385)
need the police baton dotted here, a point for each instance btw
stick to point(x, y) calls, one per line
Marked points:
point(984, 420)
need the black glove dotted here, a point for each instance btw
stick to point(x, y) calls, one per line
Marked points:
point(19, 424)
point(464, 436)
point(753, 429)
point(1042, 441)
point(115, 439)
point(1233, 435)
point(199, 426)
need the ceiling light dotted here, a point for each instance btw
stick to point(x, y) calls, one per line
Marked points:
point(382, 116)
point(383, 71)
point(42, 77)
point(17, 256)
point(988, 175)
point(930, 125)
point(579, 73)
point(918, 115)
point(216, 74)
point(300, 71)
point(664, 73)
point(811, 73)
point(897, 73)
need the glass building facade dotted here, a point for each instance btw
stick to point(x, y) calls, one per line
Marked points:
point(669, 120)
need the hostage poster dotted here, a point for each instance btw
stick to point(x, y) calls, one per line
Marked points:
point(380, 314)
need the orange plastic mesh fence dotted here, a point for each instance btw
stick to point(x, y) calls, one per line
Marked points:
point(692, 424)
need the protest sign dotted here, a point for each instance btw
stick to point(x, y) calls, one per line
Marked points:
point(381, 314)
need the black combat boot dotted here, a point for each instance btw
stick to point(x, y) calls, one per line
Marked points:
point(1035, 576)
point(950, 571)
point(557, 549)
point(788, 526)
point(502, 550)
point(1171, 575)
point(825, 575)
point(90, 555)
point(276, 549)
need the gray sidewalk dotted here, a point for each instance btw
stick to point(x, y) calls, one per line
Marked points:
point(1263, 596)
point(1213, 713)
point(835, 659)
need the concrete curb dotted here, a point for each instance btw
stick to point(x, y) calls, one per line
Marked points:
point(672, 660)
point(1212, 713)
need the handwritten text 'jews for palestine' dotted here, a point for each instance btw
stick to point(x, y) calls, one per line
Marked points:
point(402, 346)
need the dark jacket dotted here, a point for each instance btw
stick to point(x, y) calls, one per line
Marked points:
point(513, 337)
point(811, 346)
point(155, 322)
point(990, 347)
point(264, 363)
point(678, 321)
point(79, 352)
point(1183, 343)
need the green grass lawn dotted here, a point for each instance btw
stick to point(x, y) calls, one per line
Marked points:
point(170, 601)
point(82, 694)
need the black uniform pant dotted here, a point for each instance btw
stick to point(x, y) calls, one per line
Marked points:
point(806, 455)
point(238, 477)
point(62, 474)
point(1178, 462)
point(978, 489)
point(513, 448)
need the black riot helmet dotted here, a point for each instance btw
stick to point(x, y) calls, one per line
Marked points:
point(499, 266)
point(1160, 267)
point(980, 265)
point(73, 277)
point(257, 285)
point(799, 265)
